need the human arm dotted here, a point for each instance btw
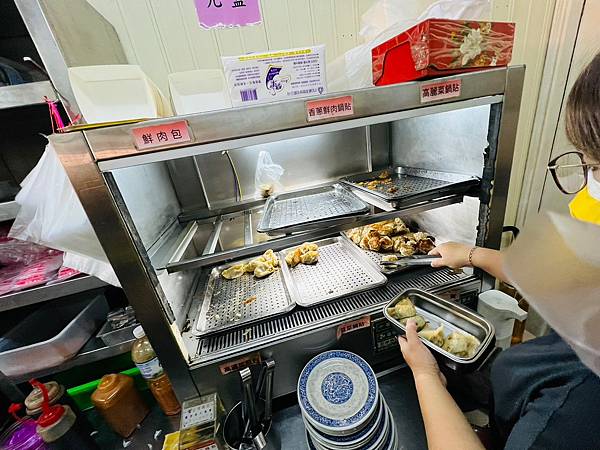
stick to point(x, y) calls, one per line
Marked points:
point(445, 425)
point(456, 256)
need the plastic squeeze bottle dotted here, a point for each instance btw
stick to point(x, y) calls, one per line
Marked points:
point(146, 360)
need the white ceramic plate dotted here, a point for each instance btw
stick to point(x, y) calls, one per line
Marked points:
point(338, 392)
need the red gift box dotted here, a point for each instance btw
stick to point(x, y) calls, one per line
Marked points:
point(437, 47)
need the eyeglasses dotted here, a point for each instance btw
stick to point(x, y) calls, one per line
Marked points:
point(570, 172)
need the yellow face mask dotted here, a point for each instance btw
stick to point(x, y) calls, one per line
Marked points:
point(585, 207)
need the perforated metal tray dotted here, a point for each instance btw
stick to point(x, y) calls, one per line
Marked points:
point(342, 270)
point(313, 208)
point(226, 301)
point(413, 184)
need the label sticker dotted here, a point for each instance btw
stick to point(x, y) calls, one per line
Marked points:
point(167, 134)
point(150, 369)
point(239, 364)
point(329, 108)
point(440, 91)
point(349, 327)
point(277, 75)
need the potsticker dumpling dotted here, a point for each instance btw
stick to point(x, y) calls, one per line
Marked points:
point(310, 257)
point(404, 308)
point(233, 272)
point(292, 259)
point(434, 336)
point(250, 266)
point(269, 256)
point(309, 247)
point(420, 322)
point(263, 270)
point(457, 344)
point(386, 243)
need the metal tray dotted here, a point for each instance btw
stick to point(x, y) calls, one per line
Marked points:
point(454, 317)
point(342, 270)
point(414, 185)
point(115, 337)
point(313, 208)
point(223, 305)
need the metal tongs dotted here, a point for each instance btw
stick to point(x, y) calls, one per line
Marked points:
point(416, 260)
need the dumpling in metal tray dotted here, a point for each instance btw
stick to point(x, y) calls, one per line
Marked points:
point(263, 270)
point(461, 345)
point(404, 308)
point(233, 272)
point(310, 257)
point(421, 323)
point(434, 336)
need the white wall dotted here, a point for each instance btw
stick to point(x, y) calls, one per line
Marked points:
point(163, 36)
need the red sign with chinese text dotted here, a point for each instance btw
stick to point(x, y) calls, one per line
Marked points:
point(239, 364)
point(440, 91)
point(349, 327)
point(329, 108)
point(167, 134)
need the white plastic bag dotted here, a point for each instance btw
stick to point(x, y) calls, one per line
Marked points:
point(267, 175)
point(386, 19)
point(51, 214)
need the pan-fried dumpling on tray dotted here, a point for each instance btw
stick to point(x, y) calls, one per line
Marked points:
point(404, 308)
point(457, 344)
point(233, 272)
point(263, 270)
point(421, 323)
point(434, 336)
point(310, 257)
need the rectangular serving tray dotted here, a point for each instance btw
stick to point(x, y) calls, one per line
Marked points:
point(454, 317)
point(229, 303)
point(313, 208)
point(413, 185)
point(342, 270)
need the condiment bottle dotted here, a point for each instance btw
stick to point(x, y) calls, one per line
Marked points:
point(145, 359)
point(21, 435)
point(58, 428)
point(56, 394)
point(119, 403)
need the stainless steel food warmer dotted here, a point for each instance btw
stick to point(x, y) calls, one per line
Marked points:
point(170, 218)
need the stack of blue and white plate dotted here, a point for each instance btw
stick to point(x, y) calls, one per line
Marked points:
point(341, 405)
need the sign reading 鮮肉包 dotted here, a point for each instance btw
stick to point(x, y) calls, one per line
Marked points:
point(431, 92)
point(228, 13)
point(164, 135)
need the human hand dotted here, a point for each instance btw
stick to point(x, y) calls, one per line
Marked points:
point(453, 255)
point(417, 355)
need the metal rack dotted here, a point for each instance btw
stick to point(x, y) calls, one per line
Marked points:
point(165, 216)
point(26, 94)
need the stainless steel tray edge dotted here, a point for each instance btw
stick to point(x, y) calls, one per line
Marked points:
point(454, 308)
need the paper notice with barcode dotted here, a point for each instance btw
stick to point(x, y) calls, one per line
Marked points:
point(274, 76)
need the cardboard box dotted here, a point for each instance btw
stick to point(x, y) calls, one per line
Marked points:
point(437, 47)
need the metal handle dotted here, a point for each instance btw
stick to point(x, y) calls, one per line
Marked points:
point(248, 398)
point(421, 260)
point(270, 372)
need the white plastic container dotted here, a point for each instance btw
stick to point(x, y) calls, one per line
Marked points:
point(114, 93)
point(502, 310)
point(198, 90)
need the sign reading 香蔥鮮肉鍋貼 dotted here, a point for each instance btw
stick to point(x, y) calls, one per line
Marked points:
point(228, 13)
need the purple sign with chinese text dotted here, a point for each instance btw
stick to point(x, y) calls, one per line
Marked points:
point(228, 13)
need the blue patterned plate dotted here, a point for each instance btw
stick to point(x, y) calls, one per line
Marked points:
point(338, 392)
point(355, 440)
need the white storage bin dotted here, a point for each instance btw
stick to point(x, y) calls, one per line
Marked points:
point(198, 90)
point(114, 93)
